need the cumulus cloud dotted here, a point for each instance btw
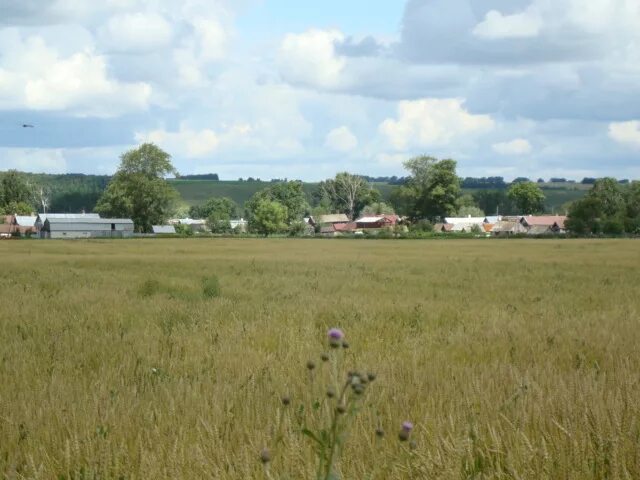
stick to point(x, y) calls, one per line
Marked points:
point(34, 76)
point(185, 141)
point(341, 139)
point(520, 25)
point(519, 146)
point(136, 32)
point(432, 122)
point(310, 58)
point(626, 133)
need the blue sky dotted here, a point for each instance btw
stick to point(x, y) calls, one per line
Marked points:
point(275, 88)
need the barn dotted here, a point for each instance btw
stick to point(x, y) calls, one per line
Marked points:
point(87, 227)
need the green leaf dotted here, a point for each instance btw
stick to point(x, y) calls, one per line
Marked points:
point(311, 435)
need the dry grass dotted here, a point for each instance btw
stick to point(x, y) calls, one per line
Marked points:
point(515, 359)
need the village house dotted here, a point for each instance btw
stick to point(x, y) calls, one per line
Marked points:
point(543, 224)
point(196, 225)
point(87, 227)
point(239, 225)
point(42, 217)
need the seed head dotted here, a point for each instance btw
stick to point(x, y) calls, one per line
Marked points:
point(407, 426)
point(331, 392)
point(371, 376)
point(335, 337)
point(311, 365)
point(325, 357)
point(345, 344)
point(358, 388)
point(341, 408)
point(403, 436)
point(265, 456)
point(379, 432)
point(286, 400)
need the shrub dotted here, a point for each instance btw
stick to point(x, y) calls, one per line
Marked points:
point(211, 287)
point(149, 288)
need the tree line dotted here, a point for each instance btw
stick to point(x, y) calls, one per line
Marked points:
point(429, 192)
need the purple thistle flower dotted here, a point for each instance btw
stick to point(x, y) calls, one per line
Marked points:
point(335, 334)
point(407, 426)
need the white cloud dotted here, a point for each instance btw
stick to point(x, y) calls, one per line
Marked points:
point(520, 25)
point(188, 142)
point(432, 122)
point(136, 32)
point(519, 146)
point(34, 76)
point(45, 160)
point(627, 133)
point(341, 139)
point(212, 38)
point(310, 58)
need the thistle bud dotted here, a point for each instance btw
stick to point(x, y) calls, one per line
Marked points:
point(286, 400)
point(403, 436)
point(341, 409)
point(311, 365)
point(345, 344)
point(371, 376)
point(379, 432)
point(358, 388)
point(265, 456)
point(324, 357)
point(331, 392)
point(413, 445)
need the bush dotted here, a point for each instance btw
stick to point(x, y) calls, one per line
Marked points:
point(421, 226)
point(149, 288)
point(211, 287)
point(184, 230)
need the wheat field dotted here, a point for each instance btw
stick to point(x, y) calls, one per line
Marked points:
point(515, 359)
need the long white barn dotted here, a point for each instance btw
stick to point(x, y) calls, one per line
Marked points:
point(87, 227)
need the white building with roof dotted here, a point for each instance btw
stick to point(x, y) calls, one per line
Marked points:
point(164, 229)
point(87, 227)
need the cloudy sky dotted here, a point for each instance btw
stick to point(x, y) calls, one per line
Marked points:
point(298, 89)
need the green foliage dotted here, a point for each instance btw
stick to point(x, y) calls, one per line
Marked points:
point(15, 195)
point(378, 208)
point(269, 217)
point(184, 230)
point(528, 197)
point(211, 286)
point(423, 226)
point(432, 190)
point(138, 190)
point(348, 194)
point(290, 195)
point(221, 206)
point(607, 208)
point(470, 211)
point(494, 202)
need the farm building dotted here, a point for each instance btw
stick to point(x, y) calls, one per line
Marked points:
point(333, 218)
point(196, 225)
point(42, 217)
point(87, 228)
point(164, 229)
point(376, 222)
point(442, 227)
point(336, 229)
point(239, 225)
point(22, 224)
point(541, 224)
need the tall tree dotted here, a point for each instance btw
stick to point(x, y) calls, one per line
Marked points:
point(528, 197)
point(269, 217)
point(218, 211)
point(349, 193)
point(14, 189)
point(607, 208)
point(139, 190)
point(288, 194)
point(432, 190)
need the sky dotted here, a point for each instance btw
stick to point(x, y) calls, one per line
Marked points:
point(292, 89)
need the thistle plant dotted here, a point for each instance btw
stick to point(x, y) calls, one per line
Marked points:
point(327, 409)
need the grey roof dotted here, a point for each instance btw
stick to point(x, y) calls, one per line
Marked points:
point(25, 220)
point(89, 220)
point(334, 218)
point(163, 229)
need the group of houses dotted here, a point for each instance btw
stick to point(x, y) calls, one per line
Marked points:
point(504, 225)
point(339, 224)
point(91, 225)
point(66, 225)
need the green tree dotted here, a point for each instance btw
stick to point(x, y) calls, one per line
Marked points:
point(470, 211)
point(349, 194)
point(432, 190)
point(528, 197)
point(269, 217)
point(223, 205)
point(139, 190)
point(606, 208)
point(14, 190)
point(288, 194)
point(378, 208)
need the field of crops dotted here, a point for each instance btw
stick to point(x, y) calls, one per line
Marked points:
point(167, 359)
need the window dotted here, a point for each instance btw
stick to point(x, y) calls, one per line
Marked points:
point(113, 226)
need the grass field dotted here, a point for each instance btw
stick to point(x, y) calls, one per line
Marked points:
point(515, 359)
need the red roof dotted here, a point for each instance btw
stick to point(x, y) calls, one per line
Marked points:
point(545, 220)
point(344, 227)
